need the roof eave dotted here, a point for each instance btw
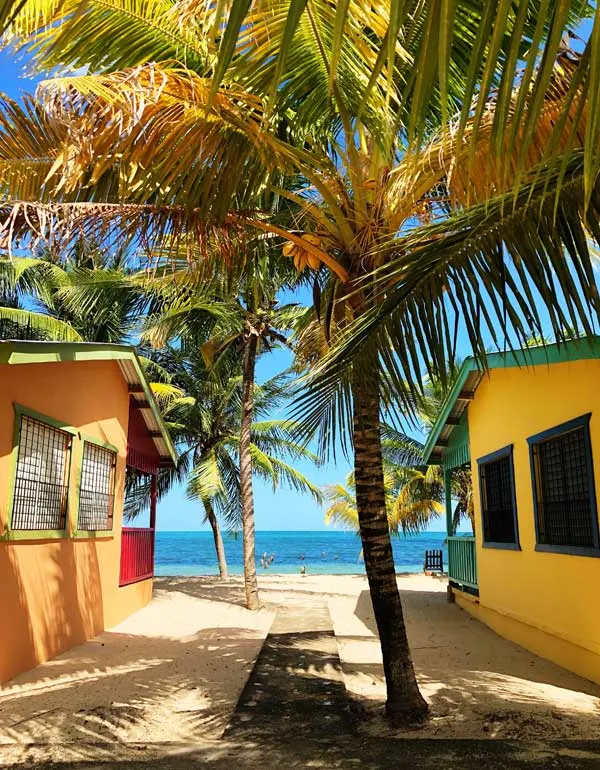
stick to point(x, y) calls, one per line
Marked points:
point(19, 352)
point(573, 350)
point(466, 368)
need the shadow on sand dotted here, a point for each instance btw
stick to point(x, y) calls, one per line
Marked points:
point(482, 683)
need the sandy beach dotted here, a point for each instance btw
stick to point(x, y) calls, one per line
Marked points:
point(173, 672)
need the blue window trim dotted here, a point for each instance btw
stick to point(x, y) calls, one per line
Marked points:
point(499, 454)
point(578, 422)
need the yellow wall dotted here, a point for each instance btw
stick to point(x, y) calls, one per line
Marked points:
point(57, 593)
point(544, 601)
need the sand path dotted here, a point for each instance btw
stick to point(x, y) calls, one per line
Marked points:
point(174, 670)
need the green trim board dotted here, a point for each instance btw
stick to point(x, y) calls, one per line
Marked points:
point(19, 352)
point(582, 349)
point(21, 410)
point(506, 453)
point(578, 423)
point(37, 534)
point(93, 534)
point(98, 442)
point(458, 451)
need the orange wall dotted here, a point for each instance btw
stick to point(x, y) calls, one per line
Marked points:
point(57, 593)
point(553, 594)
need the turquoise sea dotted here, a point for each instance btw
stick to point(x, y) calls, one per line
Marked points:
point(192, 553)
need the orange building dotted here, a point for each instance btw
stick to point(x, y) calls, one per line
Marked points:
point(75, 419)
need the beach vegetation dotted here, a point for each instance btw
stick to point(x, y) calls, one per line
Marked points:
point(444, 158)
point(204, 421)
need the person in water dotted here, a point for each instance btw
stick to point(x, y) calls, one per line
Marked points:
point(303, 570)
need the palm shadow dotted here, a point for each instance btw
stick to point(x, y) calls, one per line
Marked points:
point(127, 687)
point(465, 668)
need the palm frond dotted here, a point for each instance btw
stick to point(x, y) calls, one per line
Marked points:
point(399, 448)
point(492, 267)
point(101, 34)
point(138, 487)
point(205, 480)
point(155, 119)
point(342, 511)
point(284, 473)
point(32, 324)
point(168, 396)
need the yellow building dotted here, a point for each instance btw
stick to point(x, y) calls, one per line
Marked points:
point(74, 419)
point(530, 429)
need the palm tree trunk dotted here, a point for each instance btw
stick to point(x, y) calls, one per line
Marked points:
point(250, 580)
point(218, 538)
point(404, 701)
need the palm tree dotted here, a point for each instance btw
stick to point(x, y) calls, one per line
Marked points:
point(35, 296)
point(352, 98)
point(205, 424)
point(414, 492)
point(413, 498)
point(241, 317)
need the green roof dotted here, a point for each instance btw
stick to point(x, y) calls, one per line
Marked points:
point(20, 352)
point(471, 373)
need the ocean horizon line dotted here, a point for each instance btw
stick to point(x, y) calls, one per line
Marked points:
point(191, 552)
point(294, 531)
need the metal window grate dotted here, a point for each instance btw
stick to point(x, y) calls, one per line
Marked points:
point(41, 488)
point(497, 500)
point(564, 490)
point(96, 494)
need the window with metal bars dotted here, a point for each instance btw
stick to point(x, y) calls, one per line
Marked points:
point(563, 487)
point(498, 504)
point(97, 487)
point(42, 477)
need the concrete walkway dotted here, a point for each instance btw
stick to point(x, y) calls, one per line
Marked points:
point(296, 685)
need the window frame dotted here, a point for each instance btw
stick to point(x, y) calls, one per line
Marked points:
point(21, 411)
point(499, 454)
point(566, 427)
point(94, 534)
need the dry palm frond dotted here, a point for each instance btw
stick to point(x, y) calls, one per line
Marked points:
point(152, 124)
point(145, 225)
point(469, 162)
point(30, 143)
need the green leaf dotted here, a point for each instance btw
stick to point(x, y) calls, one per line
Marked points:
point(46, 326)
point(237, 14)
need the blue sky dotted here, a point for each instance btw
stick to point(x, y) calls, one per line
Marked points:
point(283, 510)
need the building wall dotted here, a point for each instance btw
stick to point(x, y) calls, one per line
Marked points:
point(56, 593)
point(544, 601)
